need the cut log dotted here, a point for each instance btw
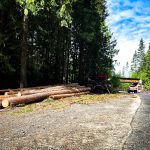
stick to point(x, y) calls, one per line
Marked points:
point(32, 90)
point(40, 91)
point(0, 104)
point(2, 97)
point(12, 101)
point(53, 93)
point(2, 92)
point(68, 95)
point(51, 89)
point(5, 103)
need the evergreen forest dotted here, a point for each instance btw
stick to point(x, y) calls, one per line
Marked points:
point(140, 65)
point(45, 42)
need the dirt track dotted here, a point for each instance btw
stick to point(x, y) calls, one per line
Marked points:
point(99, 126)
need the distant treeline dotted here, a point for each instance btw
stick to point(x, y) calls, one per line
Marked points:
point(140, 65)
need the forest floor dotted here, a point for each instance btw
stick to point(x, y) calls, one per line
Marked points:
point(91, 122)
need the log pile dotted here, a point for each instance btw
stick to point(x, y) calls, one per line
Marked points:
point(35, 94)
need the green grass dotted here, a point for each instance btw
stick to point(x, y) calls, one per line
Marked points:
point(56, 104)
point(91, 98)
point(24, 109)
point(63, 103)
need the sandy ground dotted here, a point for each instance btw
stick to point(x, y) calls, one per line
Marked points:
point(103, 125)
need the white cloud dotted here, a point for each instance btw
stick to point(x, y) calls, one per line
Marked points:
point(127, 49)
point(129, 21)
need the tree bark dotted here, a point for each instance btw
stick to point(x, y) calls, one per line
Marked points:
point(69, 95)
point(81, 64)
point(12, 101)
point(0, 104)
point(66, 63)
point(24, 50)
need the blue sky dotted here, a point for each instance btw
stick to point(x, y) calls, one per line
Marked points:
point(129, 20)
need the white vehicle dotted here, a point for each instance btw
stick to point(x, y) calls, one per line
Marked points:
point(135, 87)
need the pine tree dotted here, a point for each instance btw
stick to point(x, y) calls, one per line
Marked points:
point(141, 55)
point(50, 42)
point(146, 70)
point(95, 44)
point(147, 62)
point(134, 63)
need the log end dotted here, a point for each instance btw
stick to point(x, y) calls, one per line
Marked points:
point(5, 103)
point(18, 94)
point(6, 93)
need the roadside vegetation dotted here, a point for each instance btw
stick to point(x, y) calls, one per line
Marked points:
point(140, 65)
point(124, 86)
point(115, 82)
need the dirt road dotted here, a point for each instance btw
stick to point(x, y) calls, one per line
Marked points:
point(103, 125)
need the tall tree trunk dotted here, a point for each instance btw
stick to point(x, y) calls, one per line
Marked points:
point(66, 64)
point(24, 50)
point(81, 64)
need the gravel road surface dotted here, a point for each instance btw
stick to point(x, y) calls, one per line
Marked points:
point(103, 125)
point(139, 139)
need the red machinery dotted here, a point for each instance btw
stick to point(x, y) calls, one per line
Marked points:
point(99, 83)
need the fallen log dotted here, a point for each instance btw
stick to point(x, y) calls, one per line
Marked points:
point(0, 104)
point(56, 89)
point(12, 101)
point(28, 92)
point(3, 91)
point(32, 90)
point(68, 95)
point(2, 97)
point(51, 92)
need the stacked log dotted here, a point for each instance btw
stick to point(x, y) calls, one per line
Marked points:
point(37, 94)
point(3, 97)
point(69, 95)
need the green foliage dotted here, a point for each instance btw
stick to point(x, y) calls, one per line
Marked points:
point(134, 63)
point(135, 75)
point(62, 9)
point(146, 70)
point(143, 76)
point(67, 41)
point(138, 59)
point(115, 81)
point(142, 66)
point(147, 84)
point(25, 11)
point(141, 55)
point(64, 23)
point(124, 86)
